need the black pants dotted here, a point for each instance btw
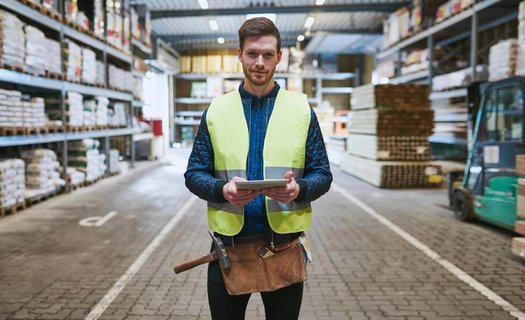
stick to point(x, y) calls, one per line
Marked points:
point(282, 304)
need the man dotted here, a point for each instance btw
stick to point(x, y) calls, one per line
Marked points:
point(258, 132)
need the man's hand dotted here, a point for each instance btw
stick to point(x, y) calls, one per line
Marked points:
point(238, 198)
point(284, 194)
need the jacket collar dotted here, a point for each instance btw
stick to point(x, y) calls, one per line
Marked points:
point(246, 95)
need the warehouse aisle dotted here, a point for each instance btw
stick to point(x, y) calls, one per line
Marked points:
point(53, 268)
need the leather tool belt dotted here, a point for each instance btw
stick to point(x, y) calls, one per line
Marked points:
point(257, 267)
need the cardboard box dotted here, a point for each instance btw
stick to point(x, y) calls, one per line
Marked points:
point(520, 164)
point(518, 247)
point(520, 227)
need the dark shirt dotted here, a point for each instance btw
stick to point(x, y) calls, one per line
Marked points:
point(200, 174)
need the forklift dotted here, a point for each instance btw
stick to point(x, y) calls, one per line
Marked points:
point(488, 188)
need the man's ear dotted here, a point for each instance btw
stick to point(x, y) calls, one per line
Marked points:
point(279, 55)
point(239, 54)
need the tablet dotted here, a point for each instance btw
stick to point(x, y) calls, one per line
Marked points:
point(260, 184)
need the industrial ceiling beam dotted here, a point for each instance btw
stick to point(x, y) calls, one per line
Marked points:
point(172, 38)
point(381, 7)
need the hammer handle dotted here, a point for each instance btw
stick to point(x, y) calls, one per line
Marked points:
point(194, 263)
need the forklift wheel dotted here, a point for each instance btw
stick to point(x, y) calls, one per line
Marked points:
point(462, 206)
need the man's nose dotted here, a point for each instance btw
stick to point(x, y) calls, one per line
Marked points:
point(259, 61)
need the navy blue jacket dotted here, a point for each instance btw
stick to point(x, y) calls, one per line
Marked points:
point(200, 174)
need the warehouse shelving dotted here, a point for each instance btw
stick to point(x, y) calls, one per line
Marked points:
point(198, 103)
point(30, 83)
point(466, 25)
point(40, 18)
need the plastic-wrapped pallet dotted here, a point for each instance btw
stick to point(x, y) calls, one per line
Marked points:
point(74, 176)
point(520, 63)
point(52, 59)
point(12, 182)
point(101, 73)
point(73, 60)
point(34, 113)
point(35, 45)
point(11, 112)
point(117, 115)
point(502, 59)
point(137, 88)
point(121, 79)
point(12, 40)
point(90, 116)
point(42, 172)
point(85, 157)
point(73, 105)
point(114, 161)
point(102, 111)
point(89, 66)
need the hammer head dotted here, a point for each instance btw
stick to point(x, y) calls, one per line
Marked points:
point(220, 251)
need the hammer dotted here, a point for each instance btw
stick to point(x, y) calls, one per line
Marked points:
point(218, 254)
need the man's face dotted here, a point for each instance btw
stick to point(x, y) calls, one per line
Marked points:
point(259, 58)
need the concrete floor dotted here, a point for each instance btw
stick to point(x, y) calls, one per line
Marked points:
point(378, 254)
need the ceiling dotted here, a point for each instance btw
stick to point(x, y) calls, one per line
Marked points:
point(341, 26)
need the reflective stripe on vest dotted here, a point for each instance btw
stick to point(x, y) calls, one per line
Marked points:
point(284, 150)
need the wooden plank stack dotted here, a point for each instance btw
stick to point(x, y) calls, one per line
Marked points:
point(388, 142)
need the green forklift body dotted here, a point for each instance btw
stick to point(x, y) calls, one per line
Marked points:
point(490, 176)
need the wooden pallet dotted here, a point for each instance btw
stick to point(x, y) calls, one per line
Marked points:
point(42, 197)
point(11, 131)
point(35, 130)
point(70, 128)
point(53, 75)
point(48, 12)
point(13, 68)
point(12, 209)
point(55, 129)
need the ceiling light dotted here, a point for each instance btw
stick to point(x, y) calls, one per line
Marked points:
point(309, 22)
point(319, 2)
point(271, 16)
point(220, 40)
point(213, 25)
point(204, 4)
point(300, 37)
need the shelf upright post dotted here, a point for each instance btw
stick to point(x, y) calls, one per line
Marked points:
point(63, 93)
point(106, 151)
point(399, 64)
point(474, 44)
point(430, 46)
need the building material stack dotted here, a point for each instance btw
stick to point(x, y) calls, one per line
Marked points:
point(388, 142)
point(34, 113)
point(11, 112)
point(73, 61)
point(502, 59)
point(114, 161)
point(12, 40)
point(42, 173)
point(35, 46)
point(117, 115)
point(73, 106)
point(102, 110)
point(12, 183)
point(75, 177)
point(89, 66)
point(89, 116)
point(120, 79)
point(85, 157)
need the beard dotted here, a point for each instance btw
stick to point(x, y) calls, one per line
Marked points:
point(258, 79)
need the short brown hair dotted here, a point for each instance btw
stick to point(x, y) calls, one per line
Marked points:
point(259, 26)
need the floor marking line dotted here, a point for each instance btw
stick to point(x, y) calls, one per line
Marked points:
point(121, 283)
point(449, 266)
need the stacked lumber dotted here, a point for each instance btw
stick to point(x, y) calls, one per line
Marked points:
point(413, 148)
point(391, 122)
point(393, 174)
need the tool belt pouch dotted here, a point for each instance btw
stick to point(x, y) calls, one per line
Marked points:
point(250, 272)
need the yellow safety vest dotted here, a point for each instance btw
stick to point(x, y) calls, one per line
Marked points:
point(284, 150)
